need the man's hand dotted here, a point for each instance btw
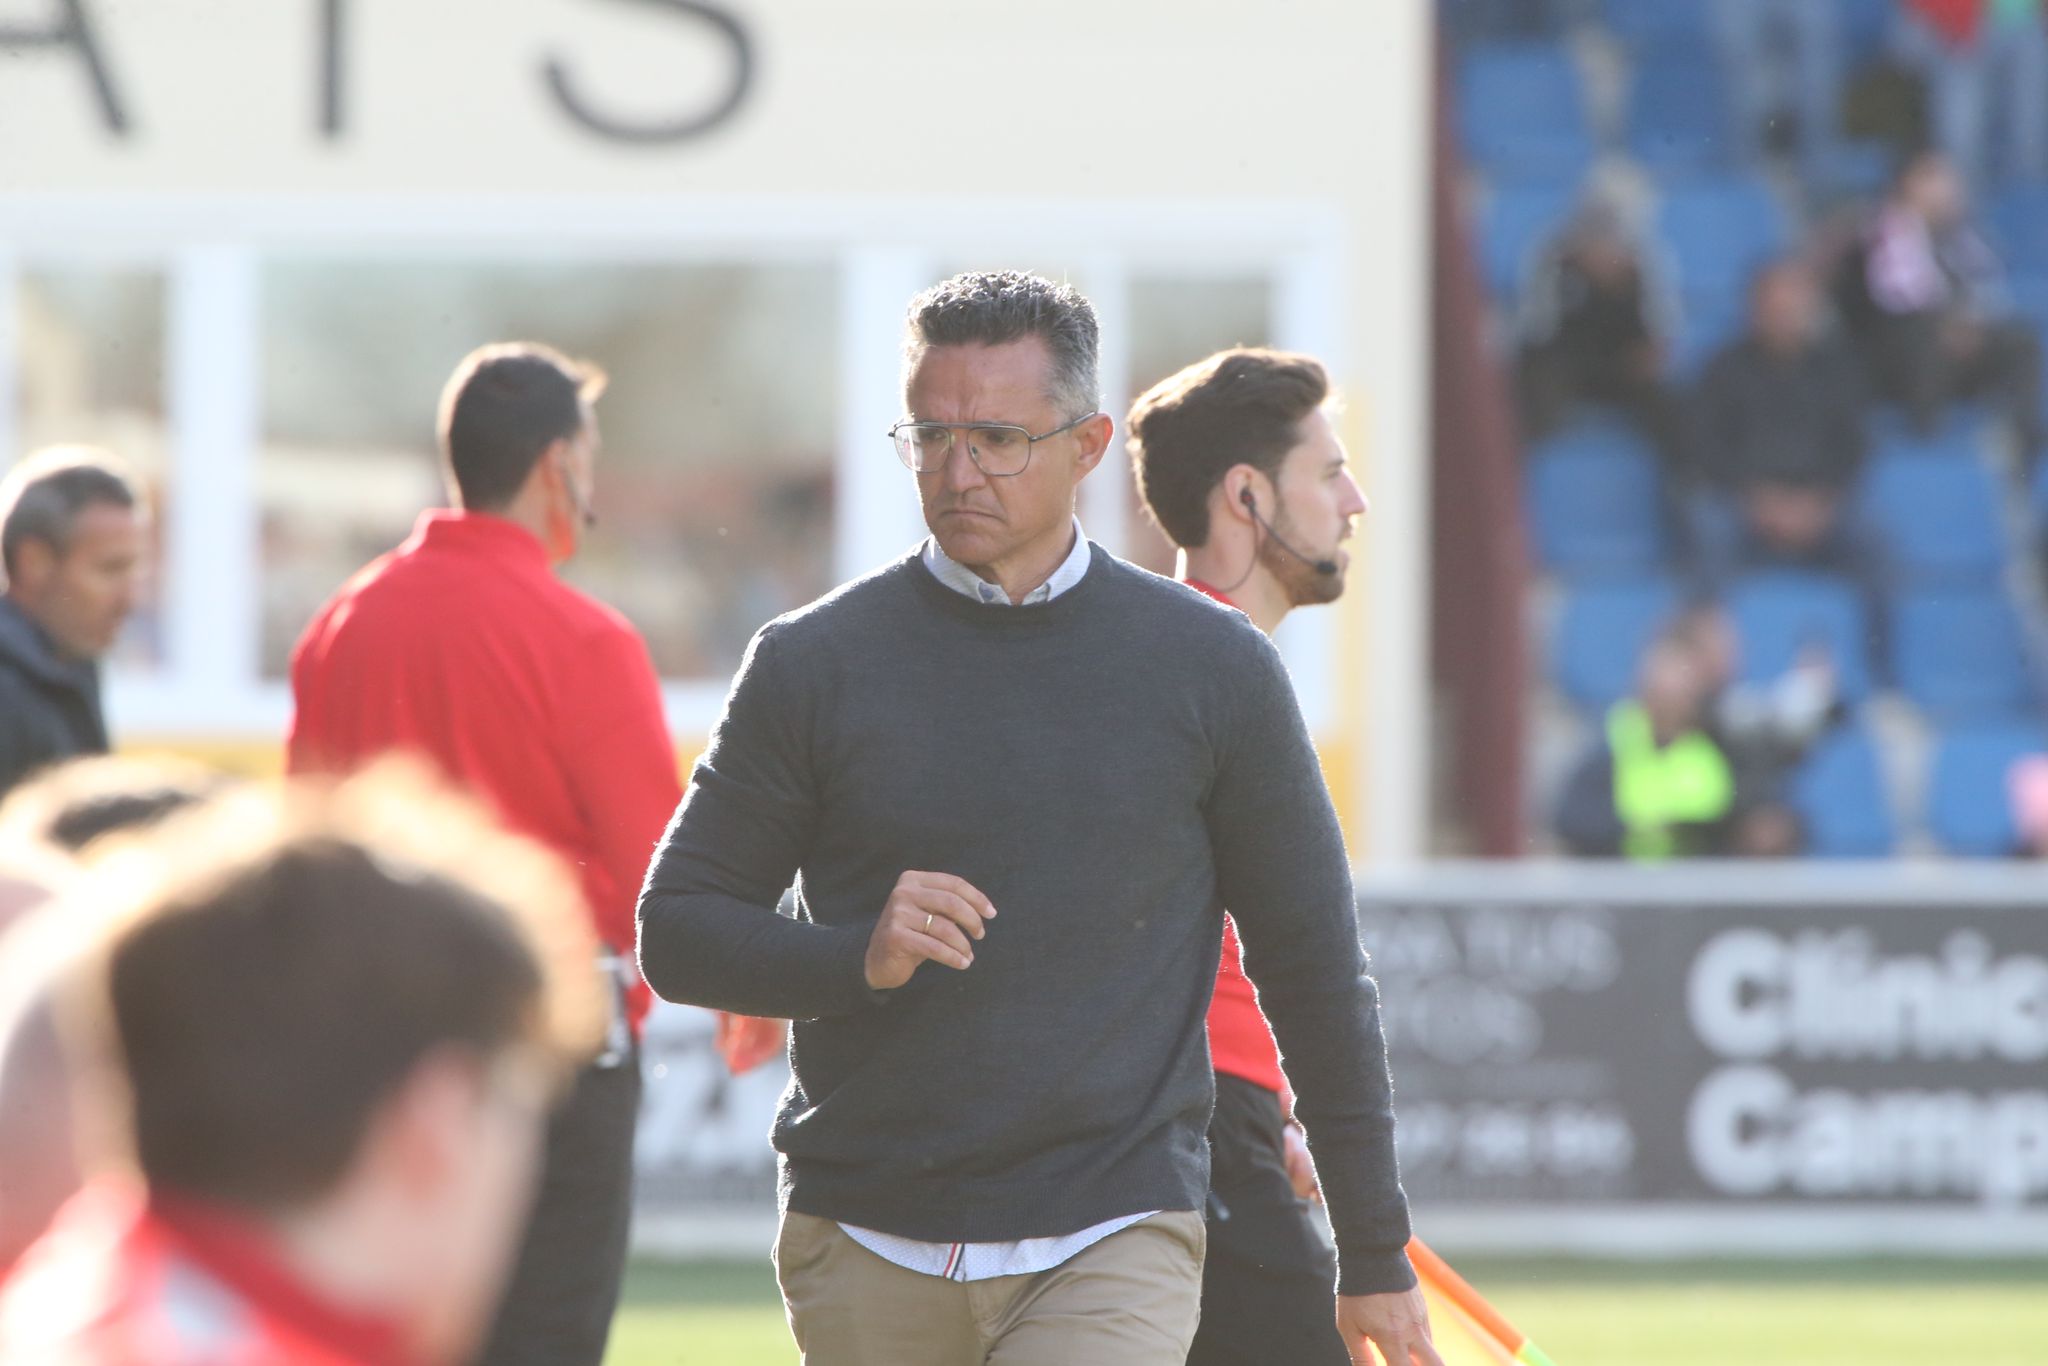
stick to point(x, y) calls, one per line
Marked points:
point(746, 1042)
point(1397, 1324)
point(929, 915)
point(1301, 1168)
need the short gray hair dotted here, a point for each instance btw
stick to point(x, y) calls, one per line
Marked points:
point(41, 498)
point(991, 307)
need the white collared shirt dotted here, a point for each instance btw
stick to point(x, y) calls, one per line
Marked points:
point(1025, 1256)
point(967, 583)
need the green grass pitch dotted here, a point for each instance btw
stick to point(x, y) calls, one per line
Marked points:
point(1581, 1313)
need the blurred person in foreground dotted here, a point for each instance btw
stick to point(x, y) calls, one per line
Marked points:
point(1926, 296)
point(1015, 781)
point(463, 646)
point(318, 1152)
point(47, 826)
point(1238, 463)
point(1662, 783)
point(71, 538)
point(1778, 426)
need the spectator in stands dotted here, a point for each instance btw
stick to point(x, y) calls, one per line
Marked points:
point(2027, 788)
point(1778, 56)
point(1592, 332)
point(1777, 424)
point(1661, 783)
point(71, 535)
point(1925, 294)
point(318, 1181)
point(1985, 63)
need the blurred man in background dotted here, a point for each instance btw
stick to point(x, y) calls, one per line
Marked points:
point(1778, 426)
point(330, 1025)
point(992, 1144)
point(1926, 295)
point(1239, 465)
point(464, 647)
point(71, 539)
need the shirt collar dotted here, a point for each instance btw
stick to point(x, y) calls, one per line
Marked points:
point(477, 532)
point(967, 583)
point(1209, 591)
point(246, 1258)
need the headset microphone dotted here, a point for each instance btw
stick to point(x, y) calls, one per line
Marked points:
point(577, 498)
point(1328, 568)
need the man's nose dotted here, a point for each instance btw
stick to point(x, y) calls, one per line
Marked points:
point(961, 472)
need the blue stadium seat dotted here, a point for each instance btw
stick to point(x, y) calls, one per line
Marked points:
point(1939, 519)
point(1960, 433)
point(1960, 653)
point(1601, 634)
point(1515, 224)
point(1719, 230)
point(1646, 25)
point(2016, 217)
point(1706, 323)
point(1521, 112)
point(1866, 28)
point(1778, 614)
point(1595, 502)
point(1679, 118)
point(1969, 802)
point(1840, 794)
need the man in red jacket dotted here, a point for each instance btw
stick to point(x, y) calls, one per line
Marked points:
point(463, 647)
point(1239, 465)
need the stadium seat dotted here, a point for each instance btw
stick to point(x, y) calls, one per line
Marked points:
point(1719, 230)
point(1679, 119)
point(1659, 25)
point(1602, 631)
point(1969, 803)
point(1960, 433)
point(1778, 614)
point(1595, 502)
point(1521, 112)
point(1706, 323)
point(1960, 654)
point(2016, 217)
point(1939, 518)
point(1515, 224)
point(1840, 794)
point(2038, 496)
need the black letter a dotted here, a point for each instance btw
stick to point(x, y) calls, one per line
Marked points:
point(73, 30)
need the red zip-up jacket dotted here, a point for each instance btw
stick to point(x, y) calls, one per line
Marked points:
point(464, 647)
point(1240, 1041)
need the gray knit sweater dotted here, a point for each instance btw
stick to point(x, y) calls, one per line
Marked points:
point(1112, 768)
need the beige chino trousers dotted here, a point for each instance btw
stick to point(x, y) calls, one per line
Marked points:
point(1132, 1299)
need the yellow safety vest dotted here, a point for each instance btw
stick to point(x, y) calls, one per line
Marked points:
point(1687, 782)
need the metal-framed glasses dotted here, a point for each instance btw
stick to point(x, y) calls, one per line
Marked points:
point(998, 449)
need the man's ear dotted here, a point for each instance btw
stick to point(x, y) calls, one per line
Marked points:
point(35, 560)
point(1244, 489)
point(1093, 438)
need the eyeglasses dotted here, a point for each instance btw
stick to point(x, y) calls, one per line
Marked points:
point(998, 449)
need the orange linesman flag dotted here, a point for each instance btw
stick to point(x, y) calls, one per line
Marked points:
point(1466, 1329)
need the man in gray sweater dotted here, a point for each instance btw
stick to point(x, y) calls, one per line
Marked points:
point(1044, 773)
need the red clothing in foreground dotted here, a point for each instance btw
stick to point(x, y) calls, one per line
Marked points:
point(463, 646)
point(123, 1281)
point(1240, 1041)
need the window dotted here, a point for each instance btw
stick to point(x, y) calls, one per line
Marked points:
point(91, 372)
point(714, 489)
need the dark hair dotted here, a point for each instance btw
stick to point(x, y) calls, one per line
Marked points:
point(42, 497)
point(992, 307)
point(1239, 407)
point(277, 966)
point(503, 407)
point(73, 804)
